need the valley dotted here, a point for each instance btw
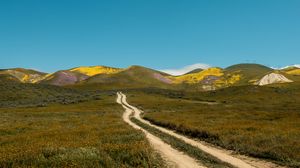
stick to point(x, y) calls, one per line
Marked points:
point(245, 115)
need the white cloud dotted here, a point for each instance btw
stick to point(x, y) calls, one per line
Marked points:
point(295, 65)
point(186, 69)
point(298, 65)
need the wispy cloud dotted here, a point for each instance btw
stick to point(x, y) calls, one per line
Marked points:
point(186, 69)
point(295, 65)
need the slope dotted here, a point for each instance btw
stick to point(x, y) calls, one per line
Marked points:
point(64, 77)
point(134, 76)
point(95, 70)
point(194, 71)
point(24, 75)
point(249, 73)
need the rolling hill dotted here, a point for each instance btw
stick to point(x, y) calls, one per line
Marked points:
point(292, 73)
point(95, 70)
point(24, 75)
point(139, 77)
point(249, 73)
point(6, 78)
point(64, 77)
point(134, 76)
point(76, 75)
point(194, 71)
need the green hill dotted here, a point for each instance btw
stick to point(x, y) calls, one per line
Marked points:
point(249, 73)
point(102, 77)
point(194, 71)
point(134, 76)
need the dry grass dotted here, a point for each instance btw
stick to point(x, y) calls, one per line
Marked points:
point(265, 129)
point(89, 134)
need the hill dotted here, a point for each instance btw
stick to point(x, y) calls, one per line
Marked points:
point(249, 73)
point(24, 75)
point(64, 77)
point(5, 78)
point(194, 71)
point(138, 77)
point(214, 78)
point(76, 75)
point(134, 76)
point(290, 72)
point(95, 70)
point(197, 77)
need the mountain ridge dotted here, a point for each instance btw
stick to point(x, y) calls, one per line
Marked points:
point(139, 76)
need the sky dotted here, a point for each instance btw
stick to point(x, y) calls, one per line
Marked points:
point(51, 35)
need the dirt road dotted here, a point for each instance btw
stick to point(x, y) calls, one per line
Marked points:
point(173, 157)
point(221, 154)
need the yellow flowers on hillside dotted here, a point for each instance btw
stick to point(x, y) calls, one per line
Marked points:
point(228, 80)
point(95, 70)
point(294, 72)
point(197, 77)
point(23, 76)
point(210, 78)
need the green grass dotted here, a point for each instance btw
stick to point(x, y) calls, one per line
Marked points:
point(263, 122)
point(87, 134)
point(14, 94)
point(248, 72)
point(202, 157)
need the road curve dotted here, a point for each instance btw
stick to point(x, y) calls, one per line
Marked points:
point(173, 157)
point(223, 155)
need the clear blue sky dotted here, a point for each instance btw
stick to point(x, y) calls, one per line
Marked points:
point(59, 34)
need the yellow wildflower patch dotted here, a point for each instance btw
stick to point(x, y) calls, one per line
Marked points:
point(95, 70)
point(197, 77)
point(228, 80)
point(25, 78)
point(294, 72)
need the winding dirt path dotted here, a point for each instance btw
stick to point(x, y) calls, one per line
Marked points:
point(173, 157)
point(239, 161)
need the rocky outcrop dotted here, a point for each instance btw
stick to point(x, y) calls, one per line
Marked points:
point(273, 78)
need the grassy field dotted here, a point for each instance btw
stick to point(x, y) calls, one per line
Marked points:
point(15, 94)
point(204, 158)
point(86, 134)
point(263, 122)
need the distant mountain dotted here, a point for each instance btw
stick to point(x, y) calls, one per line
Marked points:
point(138, 76)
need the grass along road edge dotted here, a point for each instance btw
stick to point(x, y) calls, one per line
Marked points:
point(173, 157)
point(222, 154)
point(192, 151)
